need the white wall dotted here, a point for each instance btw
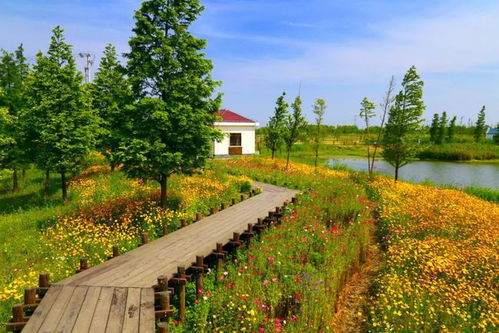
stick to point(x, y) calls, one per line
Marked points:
point(247, 137)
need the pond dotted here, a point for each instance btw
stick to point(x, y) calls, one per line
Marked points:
point(442, 173)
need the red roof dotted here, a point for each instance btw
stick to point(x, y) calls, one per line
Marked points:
point(232, 117)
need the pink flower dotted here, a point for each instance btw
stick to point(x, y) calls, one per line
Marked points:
point(265, 283)
point(274, 280)
point(271, 259)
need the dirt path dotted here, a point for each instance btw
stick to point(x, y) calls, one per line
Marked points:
point(354, 296)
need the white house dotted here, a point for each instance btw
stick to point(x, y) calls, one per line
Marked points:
point(239, 134)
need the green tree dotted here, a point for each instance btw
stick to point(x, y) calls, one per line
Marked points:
point(112, 95)
point(435, 123)
point(170, 128)
point(60, 121)
point(480, 128)
point(451, 131)
point(13, 73)
point(442, 129)
point(274, 136)
point(400, 140)
point(319, 110)
point(366, 113)
point(295, 125)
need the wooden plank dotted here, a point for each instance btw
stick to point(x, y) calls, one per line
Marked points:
point(99, 320)
point(147, 319)
point(72, 310)
point(132, 311)
point(117, 311)
point(42, 310)
point(87, 310)
point(54, 316)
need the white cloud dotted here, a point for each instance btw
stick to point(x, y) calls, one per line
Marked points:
point(450, 43)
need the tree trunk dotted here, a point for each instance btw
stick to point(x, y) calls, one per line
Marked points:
point(46, 184)
point(64, 187)
point(316, 155)
point(396, 173)
point(15, 182)
point(24, 174)
point(273, 152)
point(287, 158)
point(113, 166)
point(164, 191)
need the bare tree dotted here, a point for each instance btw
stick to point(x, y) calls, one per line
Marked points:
point(385, 106)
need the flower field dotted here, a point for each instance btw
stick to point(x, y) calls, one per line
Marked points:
point(289, 279)
point(103, 219)
point(442, 264)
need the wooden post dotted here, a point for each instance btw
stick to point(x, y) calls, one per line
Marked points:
point(294, 200)
point(248, 234)
point(163, 327)
point(220, 255)
point(198, 217)
point(43, 284)
point(165, 230)
point(83, 264)
point(162, 283)
point(242, 197)
point(180, 281)
point(116, 251)
point(223, 206)
point(250, 194)
point(18, 314)
point(233, 201)
point(163, 311)
point(30, 296)
point(144, 239)
point(183, 223)
point(181, 273)
point(199, 275)
point(212, 211)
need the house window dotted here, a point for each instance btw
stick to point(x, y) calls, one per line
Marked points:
point(235, 139)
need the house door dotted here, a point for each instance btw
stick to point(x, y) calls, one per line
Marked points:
point(235, 147)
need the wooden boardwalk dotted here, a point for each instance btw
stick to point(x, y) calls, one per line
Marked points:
point(117, 295)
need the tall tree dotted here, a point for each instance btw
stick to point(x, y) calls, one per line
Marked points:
point(295, 125)
point(435, 123)
point(451, 131)
point(319, 110)
point(62, 126)
point(112, 95)
point(442, 129)
point(13, 73)
point(366, 113)
point(274, 135)
point(170, 128)
point(400, 138)
point(385, 106)
point(480, 128)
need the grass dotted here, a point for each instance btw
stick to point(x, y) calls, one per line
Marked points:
point(461, 152)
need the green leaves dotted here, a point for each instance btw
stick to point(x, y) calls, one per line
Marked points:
point(480, 128)
point(170, 127)
point(59, 122)
point(400, 140)
point(112, 95)
point(274, 136)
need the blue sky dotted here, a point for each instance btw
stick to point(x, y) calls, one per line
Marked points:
point(340, 50)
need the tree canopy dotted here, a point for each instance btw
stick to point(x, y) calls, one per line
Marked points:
point(59, 119)
point(170, 127)
point(400, 139)
point(274, 136)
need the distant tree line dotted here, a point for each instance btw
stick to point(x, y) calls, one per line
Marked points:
point(153, 115)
